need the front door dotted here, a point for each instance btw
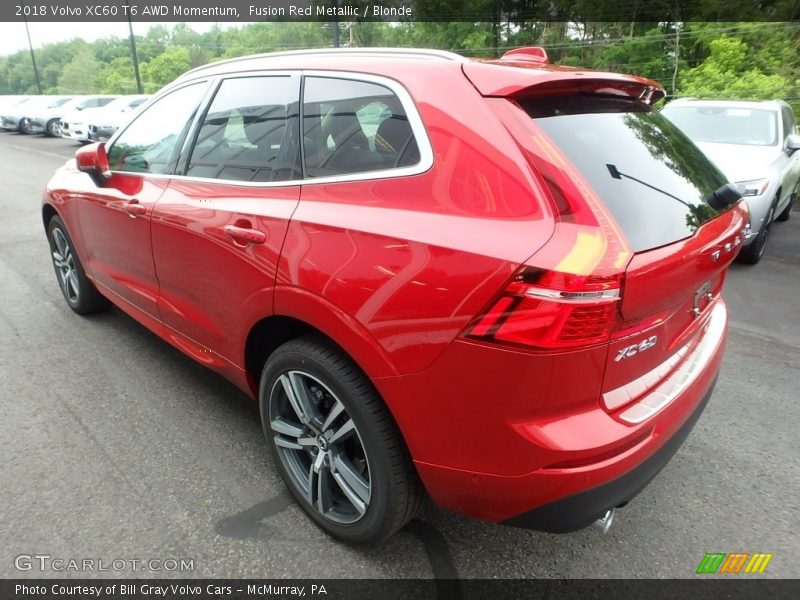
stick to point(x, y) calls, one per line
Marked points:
point(115, 218)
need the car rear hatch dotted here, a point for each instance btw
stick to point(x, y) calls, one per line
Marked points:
point(664, 230)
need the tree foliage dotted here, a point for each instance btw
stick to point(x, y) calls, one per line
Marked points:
point(715, 58)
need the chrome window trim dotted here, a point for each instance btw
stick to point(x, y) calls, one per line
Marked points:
point(414, 119)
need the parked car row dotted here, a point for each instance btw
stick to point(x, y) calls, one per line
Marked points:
point(92, 118)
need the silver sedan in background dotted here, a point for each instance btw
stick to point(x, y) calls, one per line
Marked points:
point(755, 144)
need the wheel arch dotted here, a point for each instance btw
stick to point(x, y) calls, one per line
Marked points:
point(48, 212)
point(297, 313)
point(269, 333)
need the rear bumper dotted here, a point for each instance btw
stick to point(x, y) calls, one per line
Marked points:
point(582, 509)
point(507, 438)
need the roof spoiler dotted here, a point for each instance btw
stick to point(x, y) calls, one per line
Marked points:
point(534, 54)
point(527, 71)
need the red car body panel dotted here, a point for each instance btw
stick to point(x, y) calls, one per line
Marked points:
point(588, 433)
point(395, 271)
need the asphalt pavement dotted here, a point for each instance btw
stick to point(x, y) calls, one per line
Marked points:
point(115, 446)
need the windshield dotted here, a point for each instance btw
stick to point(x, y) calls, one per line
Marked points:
point(725, 124)
point(653, 179)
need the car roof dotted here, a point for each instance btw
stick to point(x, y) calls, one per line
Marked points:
point(519, 69)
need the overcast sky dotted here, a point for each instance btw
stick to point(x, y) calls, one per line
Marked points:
point(12, 35)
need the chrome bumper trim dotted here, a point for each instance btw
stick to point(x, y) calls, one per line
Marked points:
point(663, 393)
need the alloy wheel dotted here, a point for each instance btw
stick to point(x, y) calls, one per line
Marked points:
point(64, 261)
point(318, 443)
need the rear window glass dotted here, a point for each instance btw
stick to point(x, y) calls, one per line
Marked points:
point(726, 125)
point(353, 127)
point(653, 179)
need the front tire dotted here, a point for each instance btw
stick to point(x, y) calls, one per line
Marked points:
point(787, 212)
point(335, 444)
point(53, 128)
point(753, 253)
point(79, 292)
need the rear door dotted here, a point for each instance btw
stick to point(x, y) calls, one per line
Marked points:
point(218, 230)
point(659, 188)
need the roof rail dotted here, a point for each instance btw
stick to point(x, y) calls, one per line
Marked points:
point(366, 51)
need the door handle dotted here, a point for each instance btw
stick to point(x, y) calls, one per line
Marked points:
point(134, 209)
point(245, 235)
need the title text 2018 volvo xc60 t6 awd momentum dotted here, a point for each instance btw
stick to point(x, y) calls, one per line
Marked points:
point(495, 282)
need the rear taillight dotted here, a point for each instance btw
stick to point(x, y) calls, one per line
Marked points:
point(571, 297)
point(551, 310)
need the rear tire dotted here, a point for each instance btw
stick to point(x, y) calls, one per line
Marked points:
point(335, 444)
point(79, 292)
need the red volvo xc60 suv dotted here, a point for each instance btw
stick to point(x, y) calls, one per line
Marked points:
point(497, 282)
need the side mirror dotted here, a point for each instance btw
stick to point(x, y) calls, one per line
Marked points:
point(92, 159)
point(792, 143)
point(724, 197)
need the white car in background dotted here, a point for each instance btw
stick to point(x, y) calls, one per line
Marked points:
point(103, 123)
point(73, 124)
point(755, 144)
point(7, 104)
point(14, 119)
point(47, 120)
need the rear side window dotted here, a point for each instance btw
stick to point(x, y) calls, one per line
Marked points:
point(354, 127)
point(250, 131)
point(653, 179)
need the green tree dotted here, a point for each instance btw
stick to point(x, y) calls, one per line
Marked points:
point(165, 67)
point(728, 73)
point(77, 76)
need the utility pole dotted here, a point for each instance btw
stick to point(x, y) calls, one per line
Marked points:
point(335, 24)
point(133, 52)
point(33, 57)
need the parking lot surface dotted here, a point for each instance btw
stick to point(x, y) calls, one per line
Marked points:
point(117, 446)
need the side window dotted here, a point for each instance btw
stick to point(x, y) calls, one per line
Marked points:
point(250, 132)
point(788, 121)
point(150, 143)
point(354, 127)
